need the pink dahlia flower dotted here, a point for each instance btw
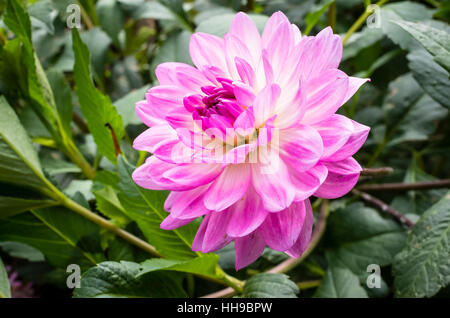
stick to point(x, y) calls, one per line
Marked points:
point(246, 136)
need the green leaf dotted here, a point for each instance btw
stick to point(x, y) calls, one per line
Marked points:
point(97, 108)
point(112, 279)
point(219, 25)
point(19, 163)
point(402, 11)
point(205, 265)
point(61, 235)
point(20, 250)
point(126, 105)
point(270, 285)
point(361, 40)
point(11, 205)
point(360, 237)
point(41, 11)
point(423, 266)
point(176, 8)
point(151, 10)
point(433, 78)
point(410, 113)
point(435, 41)
point(147, 209)
point(5, 288)
point(18, 20)
point(340, 283)
point(313, 16)
point(109, 205)
point(111, 17)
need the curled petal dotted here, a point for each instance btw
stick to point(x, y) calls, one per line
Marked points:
point(280, 230)
point(304, 237)
point(342, 177)
point(207, 50)
point(171, 223)
point(307, 182)
point(335, 132)
point(248, 249)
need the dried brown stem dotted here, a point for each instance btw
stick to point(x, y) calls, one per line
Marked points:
point(424, 185)
point(384, 207)
point(382, 171)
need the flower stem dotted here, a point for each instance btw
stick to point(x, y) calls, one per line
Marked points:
point(361, 20)
point(308, 284)
point(332, 16)
point(424, 185)
point(384, 207)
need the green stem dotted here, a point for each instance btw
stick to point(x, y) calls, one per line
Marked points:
point(75, 155)
point(231, 281)
point(360, 21)
point(332, 16)
point(308, 284)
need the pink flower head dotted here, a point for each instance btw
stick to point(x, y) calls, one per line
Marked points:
point(246, 136)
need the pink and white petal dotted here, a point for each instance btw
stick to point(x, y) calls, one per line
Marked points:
point(301, 147)
point(150, 176)
point(280, 230)
point(335, 132)
point(279, 48)
point(228, 188)
point(354, 83)
point(272, 182)
point(353, 144)
point(192, 174)
point(154, 137)
point(322, 53)
point(271, 26)
point(200, 235)
point(248, 249)
point(324, 95)
point(147, 114)
point(171, 223)
point(265, 103)
point(342, 177)
point(216, 235)
point(235, 47)
point(297, 34)
point(180, 118)
point(175, 152)
point(307, 182)
point(164, 99)
point(182, 75)
point(245, 122)
point(247, 215)
point(187, 204)
point(208, 50)
point(304, 237)
point(244, 94)
point(246, 72)
point(290, 110)
point(243, 28)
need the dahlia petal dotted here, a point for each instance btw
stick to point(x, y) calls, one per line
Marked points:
point(154, 137)
point(171, 223)
point(280, 230)
point(247, 215)
point(245, 122)
point(200, 235)
point(234, 47)
point(301, 147)
point(182, 75)
point(265, 104)
point(353, 144)
point(325, 94)
point(147, 115)
point(279, 47)
point(342, 177)
point(244, 94)
point(354, 83)
point(193, 174)
point(243, 27)
point(307, 182)
point(207, 50)
point(335, 132)
point(228, 188)
point(297, 34)
point(215, 234)
point(267, 68)
point(178, 119)
point(272, 183)
point(304, 237)
point(245, 71)
point(187, 204)
point(271, 26)
point(323, 52)
point(248, 249)
point(291, 110)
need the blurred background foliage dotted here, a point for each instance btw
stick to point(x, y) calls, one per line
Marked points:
point(69, 92)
